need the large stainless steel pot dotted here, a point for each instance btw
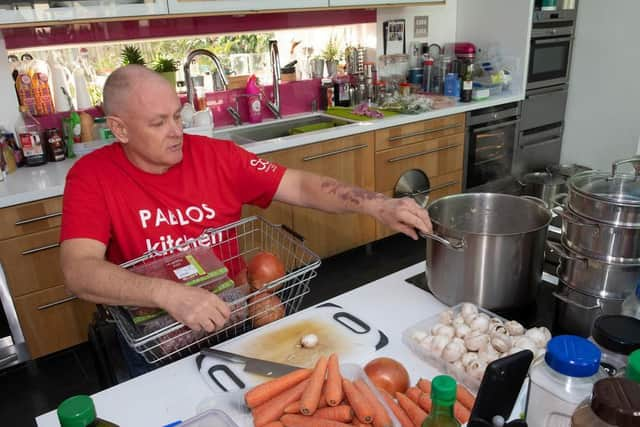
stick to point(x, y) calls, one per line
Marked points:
point(575, 311)
point(543, 185)
point(593, 277)
point(613, 199)
point(486, 248)
point(600, 241)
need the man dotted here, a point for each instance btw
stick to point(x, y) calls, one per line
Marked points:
point(157, 187)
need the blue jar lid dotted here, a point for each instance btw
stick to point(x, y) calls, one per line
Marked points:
point(573, 356)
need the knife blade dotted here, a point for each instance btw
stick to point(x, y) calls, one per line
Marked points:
point(252, 365)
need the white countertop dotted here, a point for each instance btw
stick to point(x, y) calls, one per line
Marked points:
point(174, 392)
point(28, 184)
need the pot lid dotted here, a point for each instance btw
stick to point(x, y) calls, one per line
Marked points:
point(614, 188)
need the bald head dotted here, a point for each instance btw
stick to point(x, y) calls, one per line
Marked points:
point(123, 82)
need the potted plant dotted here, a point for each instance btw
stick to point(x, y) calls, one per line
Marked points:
point(331, 56)
point(131, 55)
point(167, 68)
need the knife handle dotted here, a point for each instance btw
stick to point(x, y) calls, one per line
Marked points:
point(231, 357)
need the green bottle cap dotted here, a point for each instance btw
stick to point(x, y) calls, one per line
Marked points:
point(77, 411)
point(443, 390)
point(633, 366)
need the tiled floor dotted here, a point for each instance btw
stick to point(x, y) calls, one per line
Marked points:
point(32, 388)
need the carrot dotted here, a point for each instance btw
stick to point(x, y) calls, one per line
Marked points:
point(425, 385)
point(342, 413)
point(402, 416)
point(424, 401)
point(274, 424)
point(357, 423)
point(265, 391)
point(415, 413)
point(413, 393)
point(333, 387)
point(322, 403)
point(292, 420)
point(461, 413)
point(311, 396)
point(293, 408)
point(465, 397)
point(273, 409)
point(380, 417)
point(358, 402)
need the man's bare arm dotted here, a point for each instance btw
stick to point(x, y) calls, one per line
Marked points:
point(89, 276)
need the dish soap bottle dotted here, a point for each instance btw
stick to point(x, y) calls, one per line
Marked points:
point(79, 411)
point(253, 100)
point(443, 396)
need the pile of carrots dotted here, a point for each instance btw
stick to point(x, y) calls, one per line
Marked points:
point(318, 397)
point(413, 406)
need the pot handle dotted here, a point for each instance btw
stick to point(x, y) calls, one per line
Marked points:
point(577, 304)
point(558, 249)
point(635, 161)
point(458, 245)
point(573, 218)
point(537, 200)
point(559, 200)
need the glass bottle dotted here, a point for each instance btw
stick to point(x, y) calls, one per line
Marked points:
point(633, 366)
point(443, 396)
point(79, 411)
point(467, 84)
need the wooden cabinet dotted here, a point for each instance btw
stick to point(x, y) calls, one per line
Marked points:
point(435, 147)
point(229, 6)
point(50, 318)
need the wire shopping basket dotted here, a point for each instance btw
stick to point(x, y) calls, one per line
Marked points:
point(163, 340)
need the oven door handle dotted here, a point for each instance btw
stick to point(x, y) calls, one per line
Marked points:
point(537, 144)
point(498, 126)
point(551, 41)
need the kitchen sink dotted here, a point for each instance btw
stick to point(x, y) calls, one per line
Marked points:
point(282, 128)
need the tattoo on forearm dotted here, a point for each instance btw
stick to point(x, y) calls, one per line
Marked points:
point(349, 193)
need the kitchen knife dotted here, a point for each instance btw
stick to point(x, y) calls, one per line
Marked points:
point(252, 365)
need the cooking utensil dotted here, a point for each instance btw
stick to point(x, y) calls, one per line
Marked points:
point(486, 248)
point(252, 365)
point(594, 277)
point(543, 185)
point(610, 198)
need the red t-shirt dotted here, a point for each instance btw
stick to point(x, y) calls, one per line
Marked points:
point(108, 199)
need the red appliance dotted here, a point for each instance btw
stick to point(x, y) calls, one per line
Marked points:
point(465, 50)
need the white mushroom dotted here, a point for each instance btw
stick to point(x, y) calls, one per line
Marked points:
point(438, 344)
point(525, 343)
point(446, 331)
point(480, 323)
point(496, 328)
point(514, 350)
point(469, 357)
point(488, 353)
point(538, 336)
point(435, 328)
point(476, 369)
point(462, 330)
point(419, 335)
point(475, 340)
point(501, 342)
point(547, 335)
point(458, 364)
point(453, 351)
point(514, 328)
point(309, 341)
point(468, 309)
point(457, 321)
point(495, 320)
point(426, 343)
point(446, 317)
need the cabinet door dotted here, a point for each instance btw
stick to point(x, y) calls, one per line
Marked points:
point(230, 6)
point(338, 3)
point(18, 12)
point(30, 217)
point(53, 320)
point(350, 160)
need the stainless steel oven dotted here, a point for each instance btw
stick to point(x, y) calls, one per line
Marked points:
point(550, 48)
point(13, 348)
point(490, 142)
point(538, 148)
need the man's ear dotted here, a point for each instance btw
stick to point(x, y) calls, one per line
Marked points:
point(118, 128)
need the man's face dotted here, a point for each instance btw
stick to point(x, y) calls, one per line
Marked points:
point(150, 127)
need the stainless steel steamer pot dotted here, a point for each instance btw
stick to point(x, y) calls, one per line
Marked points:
point(486, 248)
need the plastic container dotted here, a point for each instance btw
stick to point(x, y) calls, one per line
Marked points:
point(562, 380)
point(631, 304)
point(633, 366)
point(616, 336)
point(212, 417)
point(452, 85)
point(30, 135)
point(253, 100)
point(615, 402)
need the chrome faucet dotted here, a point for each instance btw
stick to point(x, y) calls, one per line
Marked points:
point(274, 104)
point(191, 95)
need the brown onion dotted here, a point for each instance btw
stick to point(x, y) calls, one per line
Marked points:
point(264, 268)
point(266, 308)
point(388, 374)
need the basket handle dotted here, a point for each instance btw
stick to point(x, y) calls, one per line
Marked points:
point(293, 233)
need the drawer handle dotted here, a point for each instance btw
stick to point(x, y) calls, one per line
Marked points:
point(56, 303)
point(422, 132)
point(41, 248)
point(421, 153)
point(38, 218)
point(333, 153)
point(9, 359)
point(434, 188)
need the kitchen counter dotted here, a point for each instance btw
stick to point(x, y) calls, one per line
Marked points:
point(29, 184)
point(174, 392)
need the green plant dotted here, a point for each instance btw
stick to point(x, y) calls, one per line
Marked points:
point(331, 51)
point(164, 64)
point(131, 55)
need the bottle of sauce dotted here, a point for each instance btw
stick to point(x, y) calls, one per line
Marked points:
point(443, 396)
point(55, 145)
point(30, 137)
point(79, 411)
point(467, 84)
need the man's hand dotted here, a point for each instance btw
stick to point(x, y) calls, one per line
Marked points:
point(403, 215)
point(196, 308)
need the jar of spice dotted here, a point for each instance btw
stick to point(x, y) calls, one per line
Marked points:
point(614, 402)
point(616, 336)
point(405, 89)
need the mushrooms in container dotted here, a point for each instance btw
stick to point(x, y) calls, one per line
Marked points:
point(475, 340)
